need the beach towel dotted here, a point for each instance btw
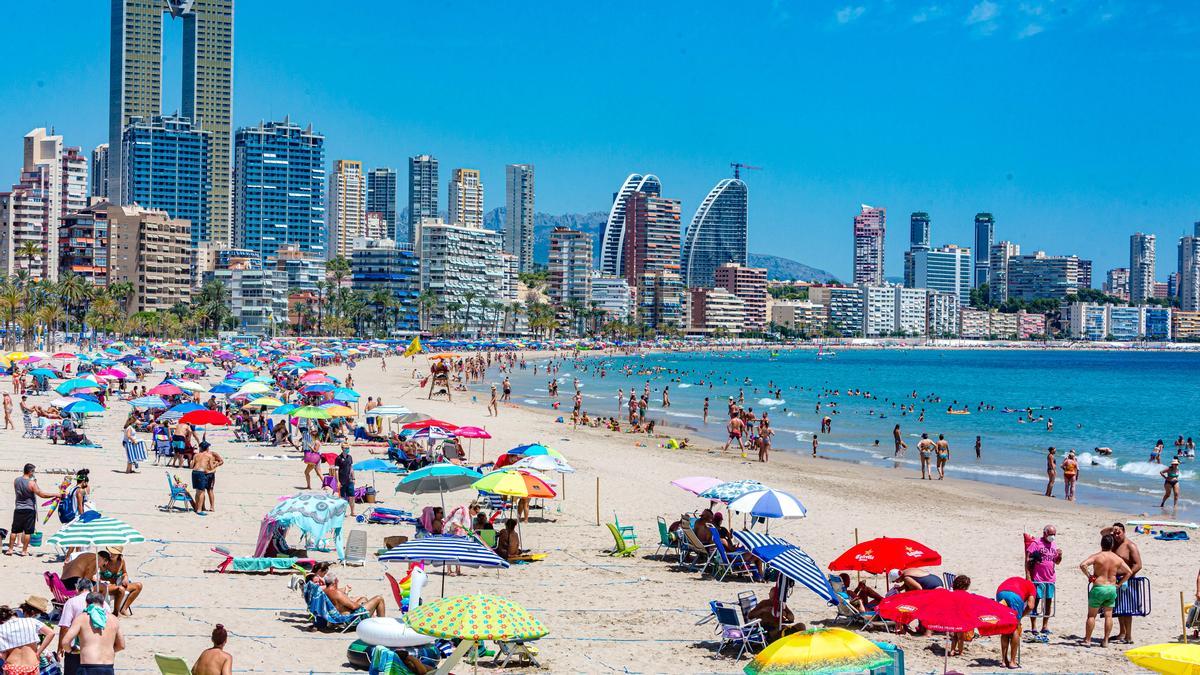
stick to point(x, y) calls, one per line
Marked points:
point(1178, 535)
point(135, 451)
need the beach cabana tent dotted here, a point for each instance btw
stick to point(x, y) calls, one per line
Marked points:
point(319, 517)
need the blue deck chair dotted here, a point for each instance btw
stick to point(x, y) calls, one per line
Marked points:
point(325, 615)
point(745, 635)
point(178, 494)
point(730, 561)
point(1133, 599)
point(851, 615)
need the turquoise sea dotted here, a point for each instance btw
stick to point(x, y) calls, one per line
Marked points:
point(1123, 400)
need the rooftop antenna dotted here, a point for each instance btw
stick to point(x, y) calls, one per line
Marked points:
point(738, 166)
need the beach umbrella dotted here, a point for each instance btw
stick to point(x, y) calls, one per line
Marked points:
point(42, 372)
point(339, 411)
point(264, 402)
point(311, 412)
point(697, 484)
point(727, 492)
point(316, 515)
point(377, 465)
point(285, 409)
point(93, 529)
point(471, 619)
point(344, 394)
point(515, 484)
point(544, 463)
point(447, 549)
point(76, 384)
point(254, 388)
point(946, 611)
point(205, 417)
point(430, 423)
point(223, 388)
point(819, 651)
point(65, 355)
point(769, 504)
point(83, 408)
point(443, 355)
point(530, 449)
point(390, 411)
point(1169, 657)
point(189, 385)
point(149, 402)
point(65, 401)
point(432, 434)
point(165, 389)
point(115, 372)
point(440, 478)
point(467, 432)
point(877, 556)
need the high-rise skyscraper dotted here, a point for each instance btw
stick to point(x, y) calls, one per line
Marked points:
point(381, 198)
point(465, 198)
point(164, 162)
point(918, 240)
point(612, 237)
point(347, 211)
point(99, 172)
point(153, 253)
point(570, 268)
point(1189, 271)
point(651, 235)
point(135, 87)
point(32, 212)
point(985, 226)
point(74, 180)
point(947, 270)
point(998, 259)
point(1141, 267)
point(518, 214)
point(422, 191)
point(279, 189)
point(1117, 283)
point(717, 234)
point(869, 228)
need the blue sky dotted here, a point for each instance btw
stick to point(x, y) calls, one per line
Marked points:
point(1075, 123)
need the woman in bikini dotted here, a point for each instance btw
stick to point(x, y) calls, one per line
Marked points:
point(1171, 485)
point(1070, 468)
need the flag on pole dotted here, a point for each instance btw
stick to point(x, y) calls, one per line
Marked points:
point(413, 348)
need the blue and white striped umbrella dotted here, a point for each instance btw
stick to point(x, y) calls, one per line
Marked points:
point(791, 562)
point(727, 492)
point(752, 540)
point(768, 503)
point(445, 548)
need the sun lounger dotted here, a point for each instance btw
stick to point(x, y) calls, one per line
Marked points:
point(259, 565)
point(356, 548)
point(171, 665)
point(325, 615)
point(622, 548)
point(745, 635)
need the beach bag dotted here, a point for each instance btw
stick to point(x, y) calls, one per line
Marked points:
point(66, 508)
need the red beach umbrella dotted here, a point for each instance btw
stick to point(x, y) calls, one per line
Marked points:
point(949, 612)
point(877, 556)
point(205, 418)
point(431, 423)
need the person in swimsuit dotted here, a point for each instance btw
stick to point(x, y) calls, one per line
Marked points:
point(943, 456)
point(1156, 453)
point(898, 440)
point(215, 660)
point(1051, 471)
point(735, 428)
point(919, 579)
point(925, 449)
point(1105, 566)
point(1171, 484)
point(1070, 468)
point(204, 476)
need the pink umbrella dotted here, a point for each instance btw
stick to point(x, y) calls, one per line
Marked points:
point(696, 484)
point(164, 389)
point(114, 372)
point(474, 432)
point(193, 371)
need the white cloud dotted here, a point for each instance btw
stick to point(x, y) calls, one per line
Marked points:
point(1030, 30)
point(927, 13)
point(847, 14)
point(984, 12)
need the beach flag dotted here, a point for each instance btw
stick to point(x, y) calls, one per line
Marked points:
point(414, 347)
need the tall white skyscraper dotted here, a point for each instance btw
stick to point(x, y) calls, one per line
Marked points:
point(518, 214)
point(1141, 267)
point(1189, 271)
point(869, 228)
point(99, 173)
point(31, 212)
point(466, 198)
point(347, 211)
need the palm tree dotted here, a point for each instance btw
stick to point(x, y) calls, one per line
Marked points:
point(49, 315)
point(29, 251)
point(121, 291)
point(382, 300)
point(338, 268)
point(75, 290)
point(11, 299)
point(452, 309)
point(426, 303)
point(469, 298)
point(28, 321)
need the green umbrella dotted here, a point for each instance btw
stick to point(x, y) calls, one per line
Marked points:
point(311, 412)
point(97, 531)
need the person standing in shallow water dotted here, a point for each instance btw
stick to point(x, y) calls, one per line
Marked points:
point(1051, 471)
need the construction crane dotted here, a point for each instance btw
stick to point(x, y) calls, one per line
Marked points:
point(738, 166)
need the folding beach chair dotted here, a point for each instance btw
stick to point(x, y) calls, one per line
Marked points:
point(948, 579)
point(848, 613)
point(162, 446)
point(179, 493)
point(745, 635)
point(356, 548)
point(728, 562)
point(487, 537)
point(30, 430)
point(666, 539)
point(516, 649)
point(692, 544)
point(747, 601)
point(625, 530)
point(58, 590)
point(1133, 599)
point(325, 615)
point(171, 665)
point(622, 548)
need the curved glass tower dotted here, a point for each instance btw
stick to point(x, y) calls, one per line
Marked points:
point(612, 239)
point(717, 234)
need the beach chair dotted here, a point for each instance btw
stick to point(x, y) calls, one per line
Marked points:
point(30, 430)
point(172, 665)
point(162, 446)
point(851, 616)
point(58, 590)
point(356, 548)
point(896, 667)
point(1133, 599)
point(1042, 588)
point(747, 601)
point(948, 579)
point(326, 616)
point(745, 635)
point(179, 493)
point(622, 548)
point(730, 562)
point(487, 537)
point(515, 649)
point(625, 530)
point(692, 544)
point(666, 540)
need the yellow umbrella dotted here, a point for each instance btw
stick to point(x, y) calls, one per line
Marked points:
point(264, 402)
point(254, 388)
point(1168, 657)
point(340, 411)
point(822, 650)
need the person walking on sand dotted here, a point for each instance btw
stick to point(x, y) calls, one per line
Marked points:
point(1170, 484)
point(735, 428)
point(1132, 555)
point(345, 471)
point(925, 448)
point(493, 406)
point(100, 637)
point(1051, 471)
point(311, 449)
point(215, 660)
point(204, 476)
point(943, 456)
point(898, 439)
point(1070, 468)
point(8, 406)
point(1105, 568)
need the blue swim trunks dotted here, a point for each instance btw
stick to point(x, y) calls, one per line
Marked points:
point(1013, 601)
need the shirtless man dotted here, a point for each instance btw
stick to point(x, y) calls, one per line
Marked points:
point(1051, 471)
point(100, 638)
point(1105, 566)
point(204, 476)
point(508, 541)
point(735, 428)
point(1127, 551)
point(215, 660)
point(346, 605)
point(925, 447)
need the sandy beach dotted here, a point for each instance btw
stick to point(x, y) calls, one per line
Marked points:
point(604, 614)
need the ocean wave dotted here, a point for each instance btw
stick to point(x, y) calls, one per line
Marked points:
point(531, 401)
point(683, 385)
point(1088, 459)
point(1152, 470)
point(671, 413)
point(771, 402)
point(1003, 473)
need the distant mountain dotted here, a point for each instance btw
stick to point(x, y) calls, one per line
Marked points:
point(785, 269)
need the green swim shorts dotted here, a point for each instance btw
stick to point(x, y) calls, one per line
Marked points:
point(1102, 596)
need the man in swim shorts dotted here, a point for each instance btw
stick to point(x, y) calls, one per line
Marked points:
point(1105, 567)
point(1019, 595)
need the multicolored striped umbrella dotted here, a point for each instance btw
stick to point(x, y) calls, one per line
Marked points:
point(475, 617)
point(95, 531)
point(727, 492)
